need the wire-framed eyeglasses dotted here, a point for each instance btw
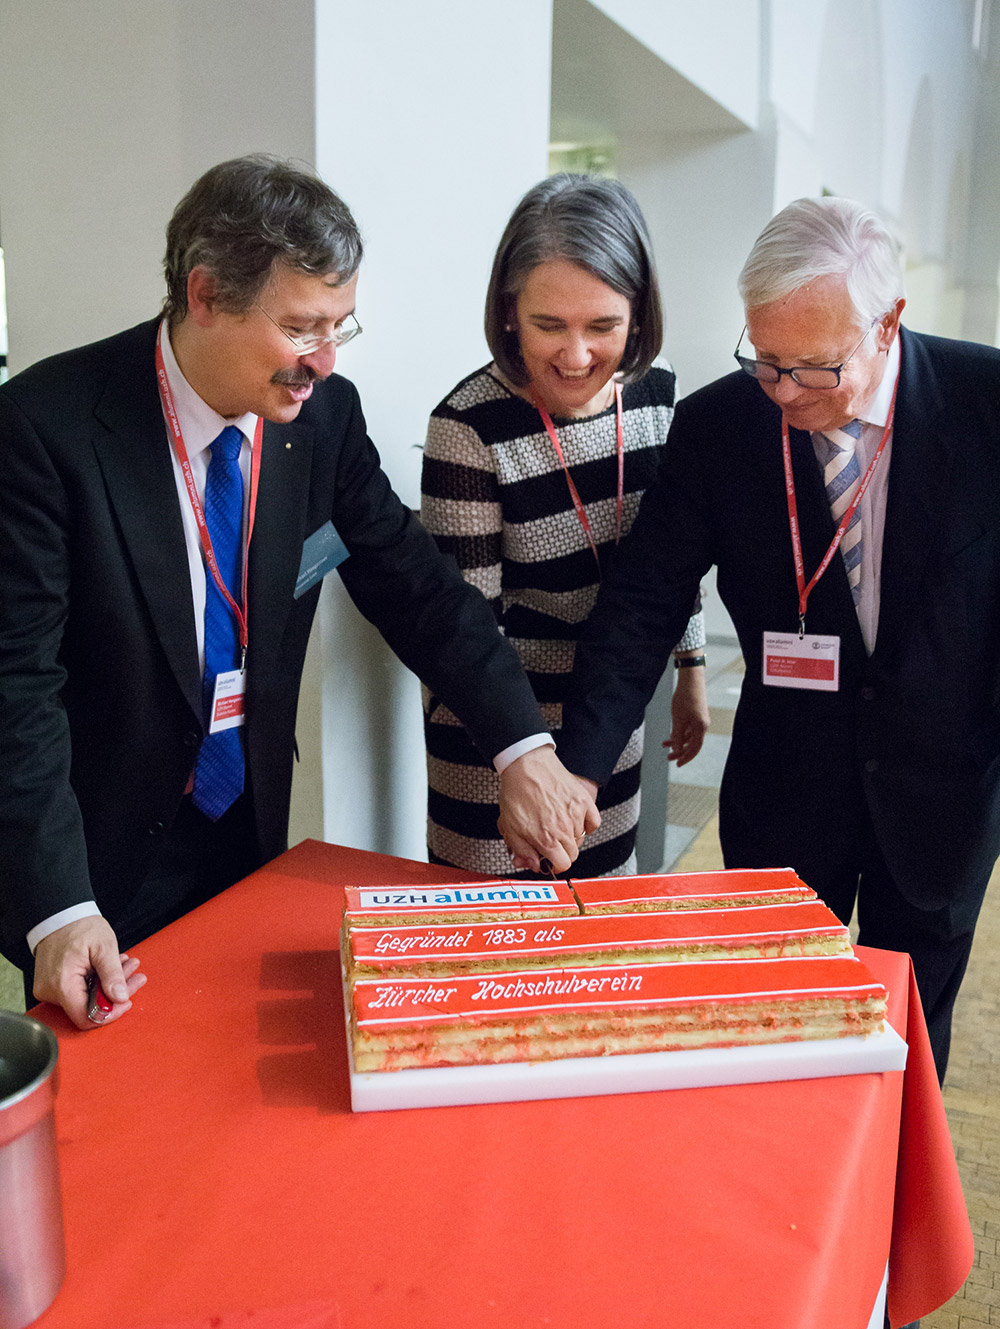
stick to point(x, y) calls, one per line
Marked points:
point(305, 345)
point(806, 376)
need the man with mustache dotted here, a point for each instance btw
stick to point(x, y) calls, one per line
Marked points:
point(172, 498)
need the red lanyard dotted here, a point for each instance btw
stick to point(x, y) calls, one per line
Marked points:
point(581, 513)
point(167, 398)
point(845, 521)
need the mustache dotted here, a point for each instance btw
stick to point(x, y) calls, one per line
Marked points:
point(295, 378)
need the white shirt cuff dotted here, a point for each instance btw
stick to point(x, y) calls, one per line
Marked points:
point(503, 759)
point(56, 921)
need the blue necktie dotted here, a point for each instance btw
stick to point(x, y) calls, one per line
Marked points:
point(218, 776)
point(841, 476)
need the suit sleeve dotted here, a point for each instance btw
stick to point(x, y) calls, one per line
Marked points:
point(440, 626)
point(641, 612)
point(43, 857)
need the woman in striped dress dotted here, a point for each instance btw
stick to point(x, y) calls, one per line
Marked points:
point(533, 472)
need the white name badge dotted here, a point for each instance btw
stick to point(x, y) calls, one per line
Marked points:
point(228, 700)
point(809, 661)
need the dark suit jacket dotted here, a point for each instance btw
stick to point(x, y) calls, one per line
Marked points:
point(100, 694)
point(914, 731)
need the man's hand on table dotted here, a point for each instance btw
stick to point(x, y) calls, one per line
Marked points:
point(66, 958)
point(545, 812)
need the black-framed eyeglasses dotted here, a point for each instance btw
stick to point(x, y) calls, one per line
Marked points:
point(307, 345)
point(806, 376)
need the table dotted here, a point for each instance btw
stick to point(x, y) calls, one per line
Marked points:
point(215, 1177)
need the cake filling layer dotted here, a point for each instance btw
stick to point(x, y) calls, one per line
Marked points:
point(609, 1009)
point(805, 928)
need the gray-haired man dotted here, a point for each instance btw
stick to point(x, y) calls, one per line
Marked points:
point(866, 746)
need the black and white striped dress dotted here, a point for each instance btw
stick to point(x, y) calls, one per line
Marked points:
point(496, 498)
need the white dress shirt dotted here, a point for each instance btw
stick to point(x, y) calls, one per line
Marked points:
point(200, 426)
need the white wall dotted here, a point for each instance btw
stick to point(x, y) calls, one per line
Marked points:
point(702, 196)
point(108, 111)
point(88, 173)
point(878, 101)
point(981, 306)
point(715, 46)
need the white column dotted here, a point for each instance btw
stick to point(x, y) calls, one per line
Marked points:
point(431, 121)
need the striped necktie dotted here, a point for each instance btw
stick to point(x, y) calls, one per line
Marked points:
point(841, 476)
point(218, 775)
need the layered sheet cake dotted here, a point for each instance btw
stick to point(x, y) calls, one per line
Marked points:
point(691, 890)
point(502, 972)
point(806, 928)
point(539, 1015)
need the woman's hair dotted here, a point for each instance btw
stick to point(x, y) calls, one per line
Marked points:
point(242, 215)
point(595, 223)
point(822, 237)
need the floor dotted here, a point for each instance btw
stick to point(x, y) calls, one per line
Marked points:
point(972, 1086)
point(972, 1089)
point(11, 989)
point(693, 797)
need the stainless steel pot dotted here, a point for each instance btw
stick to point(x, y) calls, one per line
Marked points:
point(32, 1251)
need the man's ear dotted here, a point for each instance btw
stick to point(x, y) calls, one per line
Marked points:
point(202, 289)
point(889, 326)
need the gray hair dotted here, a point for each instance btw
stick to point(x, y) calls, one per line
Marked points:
point(820, 237)
point(595, 223)
point(244, 214)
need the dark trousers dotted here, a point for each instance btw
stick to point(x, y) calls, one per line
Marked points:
point(938, 940)
point(196, 859)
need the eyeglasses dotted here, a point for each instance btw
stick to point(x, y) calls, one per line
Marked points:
point(306, 345)
point(806, 376)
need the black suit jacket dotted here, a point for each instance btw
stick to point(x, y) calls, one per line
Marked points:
point(914, 731)
point(100, 693)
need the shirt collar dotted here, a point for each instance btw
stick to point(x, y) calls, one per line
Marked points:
point(199, 423)
point(877, 410)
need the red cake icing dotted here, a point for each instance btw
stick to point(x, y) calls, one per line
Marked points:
point(418, 1002)
point(691, 890)
point(783, 928)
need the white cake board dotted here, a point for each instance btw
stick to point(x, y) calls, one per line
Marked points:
point(630, 1073)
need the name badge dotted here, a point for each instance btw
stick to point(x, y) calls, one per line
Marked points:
point(228, 701)
point(810, 661)
point(321, 553)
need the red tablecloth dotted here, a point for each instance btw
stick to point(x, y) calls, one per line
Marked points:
point(215, 1177)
